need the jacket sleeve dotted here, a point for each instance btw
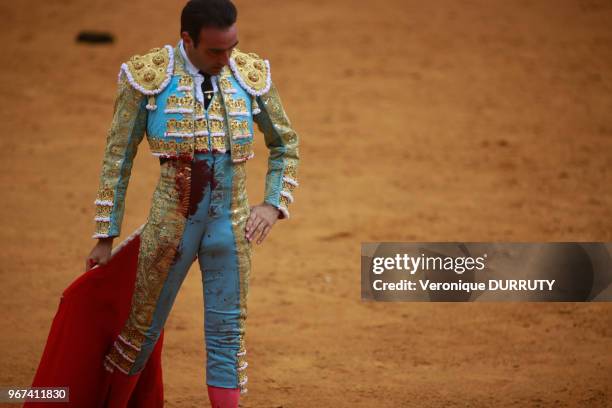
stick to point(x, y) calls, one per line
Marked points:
point(125, 134)
point(282, 142)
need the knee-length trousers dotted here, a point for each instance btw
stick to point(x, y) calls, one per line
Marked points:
point(214, 234)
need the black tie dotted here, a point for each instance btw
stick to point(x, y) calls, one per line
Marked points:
point(207, 89)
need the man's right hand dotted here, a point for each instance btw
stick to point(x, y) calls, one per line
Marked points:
point(100, 254)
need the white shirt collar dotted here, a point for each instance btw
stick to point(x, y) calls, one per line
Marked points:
point(197, 77)
point(188, 64)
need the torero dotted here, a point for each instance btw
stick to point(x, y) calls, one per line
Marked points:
point(197, 103)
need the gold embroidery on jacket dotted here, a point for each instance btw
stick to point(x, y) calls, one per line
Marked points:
point(242, 152)
point(201, 127)
point(239, 128)
point(124, 135)
point(201, 144)
point(169, 148)
point(277, 126)
point(179, 127)
point(179, 104)
point(236, 106)
point(185, 83)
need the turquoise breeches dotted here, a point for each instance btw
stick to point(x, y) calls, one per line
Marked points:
point(210, 235)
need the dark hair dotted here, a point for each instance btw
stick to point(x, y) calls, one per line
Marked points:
point(198, 14)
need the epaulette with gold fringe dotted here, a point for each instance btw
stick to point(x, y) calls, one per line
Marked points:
point(150, 73)
point(251, 71)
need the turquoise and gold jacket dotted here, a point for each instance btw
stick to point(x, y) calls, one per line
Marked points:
point(157, 97)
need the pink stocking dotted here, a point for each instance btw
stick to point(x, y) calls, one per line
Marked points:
point(223, 397)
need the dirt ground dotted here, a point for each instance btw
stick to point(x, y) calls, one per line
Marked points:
point(472, 120)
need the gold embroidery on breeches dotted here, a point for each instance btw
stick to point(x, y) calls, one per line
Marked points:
point(160, 239)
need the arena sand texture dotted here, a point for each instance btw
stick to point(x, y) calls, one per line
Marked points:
point(446, 120)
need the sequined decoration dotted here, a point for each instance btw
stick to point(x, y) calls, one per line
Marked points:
point(240, 129)
point(236, 106)
point(252, 72)
point(282, 140)
point(150, 73)
point(242, 152)
point(179, 104)
point(179, 127)
point(160, 239)
point(125, 134)
point(169, 148)
point(240, 212)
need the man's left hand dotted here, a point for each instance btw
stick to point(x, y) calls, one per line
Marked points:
point(261, 220)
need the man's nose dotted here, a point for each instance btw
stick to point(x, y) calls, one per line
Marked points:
point(225, 58)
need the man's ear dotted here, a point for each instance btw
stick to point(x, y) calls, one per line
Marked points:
point(186, 38)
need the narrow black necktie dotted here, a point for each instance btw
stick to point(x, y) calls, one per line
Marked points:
point(207, 89)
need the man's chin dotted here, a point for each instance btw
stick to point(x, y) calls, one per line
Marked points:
point(214, 71)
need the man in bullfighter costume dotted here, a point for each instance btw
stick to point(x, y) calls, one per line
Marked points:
point(197, 103)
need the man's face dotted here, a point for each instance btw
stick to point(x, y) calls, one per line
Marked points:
point(214, 48)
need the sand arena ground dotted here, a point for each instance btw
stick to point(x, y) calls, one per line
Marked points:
point(429, 121)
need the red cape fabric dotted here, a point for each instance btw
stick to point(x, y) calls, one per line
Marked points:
point(91, 313)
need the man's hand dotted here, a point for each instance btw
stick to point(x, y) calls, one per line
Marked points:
point(261, 220)
point(100, 254)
